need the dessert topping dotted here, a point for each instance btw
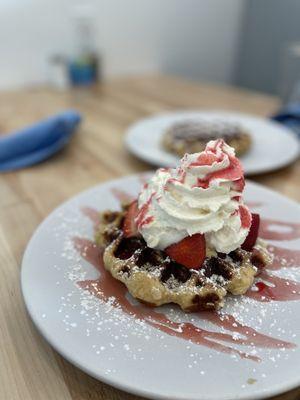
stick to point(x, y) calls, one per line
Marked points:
point(202, 196)
point(189, 252)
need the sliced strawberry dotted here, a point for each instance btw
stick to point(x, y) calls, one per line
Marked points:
point(253, 233)
point(189, 252)
point(234, 172)
point(129, 225)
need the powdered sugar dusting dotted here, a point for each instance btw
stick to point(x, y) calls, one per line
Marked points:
point(125, 334)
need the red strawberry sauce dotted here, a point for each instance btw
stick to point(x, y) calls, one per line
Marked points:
point(269, 288)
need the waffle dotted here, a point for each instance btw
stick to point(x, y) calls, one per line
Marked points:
point(154, 279)
point(192, 136)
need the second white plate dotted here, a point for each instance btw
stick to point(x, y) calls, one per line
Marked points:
point(273, 145)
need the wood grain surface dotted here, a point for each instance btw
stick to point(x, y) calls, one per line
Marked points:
point(29, 367)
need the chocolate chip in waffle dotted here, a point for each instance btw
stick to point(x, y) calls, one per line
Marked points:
point(154, 279)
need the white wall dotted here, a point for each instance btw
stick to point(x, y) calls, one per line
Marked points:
point(193, 38)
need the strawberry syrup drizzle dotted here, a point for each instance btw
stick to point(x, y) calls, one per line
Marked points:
point(180, 179)
point(284, 258)
point(277, 288)
point(271, 287)
point(291, 230)
point(233, 172)
point(142, 218)
point(106, 287)
point(245, 216)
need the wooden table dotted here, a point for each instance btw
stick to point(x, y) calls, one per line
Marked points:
point(29, 367)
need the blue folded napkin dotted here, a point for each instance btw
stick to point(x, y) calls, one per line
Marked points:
point(37, 142)
point(289, 116)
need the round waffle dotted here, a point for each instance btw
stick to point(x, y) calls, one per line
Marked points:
point(153, 278)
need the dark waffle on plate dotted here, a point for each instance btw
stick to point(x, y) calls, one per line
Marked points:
point(154, 279)
point(191, 136)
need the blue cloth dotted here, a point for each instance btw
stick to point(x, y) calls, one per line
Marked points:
point(37, 142)
point(290, 116)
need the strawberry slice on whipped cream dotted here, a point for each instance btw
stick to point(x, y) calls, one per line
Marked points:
point(203, 195)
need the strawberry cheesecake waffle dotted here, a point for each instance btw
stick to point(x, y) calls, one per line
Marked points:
point(188, 238)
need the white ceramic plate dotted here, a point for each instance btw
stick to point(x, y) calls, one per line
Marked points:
point(149, 354)
point(273, 145)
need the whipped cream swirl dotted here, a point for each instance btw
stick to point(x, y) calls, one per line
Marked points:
point(203, 195)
